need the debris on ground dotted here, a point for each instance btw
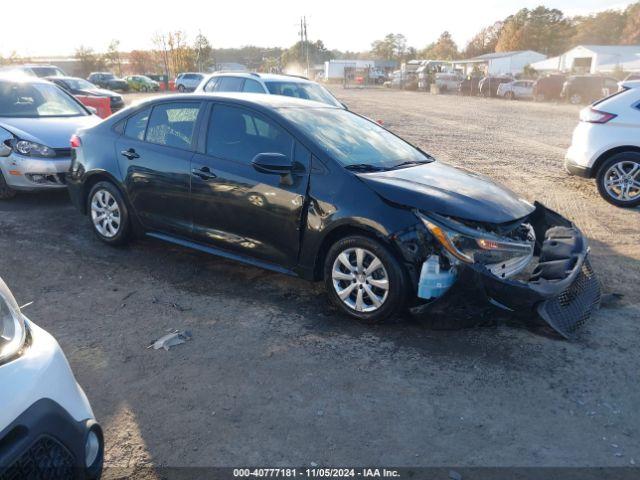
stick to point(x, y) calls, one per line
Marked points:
point(609, 299)
point(171, 339)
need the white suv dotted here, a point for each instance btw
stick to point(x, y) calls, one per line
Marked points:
point(606, 146)
point(47, 428)
point(269, 83)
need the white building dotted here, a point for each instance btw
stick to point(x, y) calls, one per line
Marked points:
point(594, 59)
point(334, 69)
point(500, 63)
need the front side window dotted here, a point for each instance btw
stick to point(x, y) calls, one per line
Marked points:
point(251, 86)
point(172, 124)
point(137, 124)
point(353, 140)
point(239, 134)
point(230, 84)
point(28, 100)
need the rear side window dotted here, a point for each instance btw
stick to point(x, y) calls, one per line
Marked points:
point(172, 124)
point(230, 84)
point(239, 134)
point(137, 124)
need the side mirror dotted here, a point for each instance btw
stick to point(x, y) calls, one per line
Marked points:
point(273, 163)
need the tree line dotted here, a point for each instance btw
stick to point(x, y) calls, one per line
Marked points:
point(546, 30)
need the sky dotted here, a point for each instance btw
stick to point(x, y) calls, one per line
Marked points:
point(59, 27)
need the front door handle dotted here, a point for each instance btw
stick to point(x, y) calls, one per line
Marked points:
point(203, 173)
point(130, 154)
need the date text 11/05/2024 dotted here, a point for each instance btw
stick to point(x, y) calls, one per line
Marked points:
point(315, 473)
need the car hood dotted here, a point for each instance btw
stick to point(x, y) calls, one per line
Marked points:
point(439, 188)
point(53, 132)
point(98, 92)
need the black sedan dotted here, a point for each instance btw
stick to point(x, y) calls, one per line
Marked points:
point(79, 86)
point(319, 192)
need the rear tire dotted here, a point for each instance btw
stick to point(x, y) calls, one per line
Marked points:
point(108, 214)
point(365, 280)
point(6, 192)
point(620, 174)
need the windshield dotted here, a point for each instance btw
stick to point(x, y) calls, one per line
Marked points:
point(354, 141)
point(47, 71)
point(307, 91)
point(28, 100)
point(79, 84)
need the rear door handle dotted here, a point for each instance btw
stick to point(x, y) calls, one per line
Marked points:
point(203, 173)
point(130, 154)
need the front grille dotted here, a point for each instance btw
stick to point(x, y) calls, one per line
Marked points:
point(46, 459)
point(567, 312)
point(62, 152)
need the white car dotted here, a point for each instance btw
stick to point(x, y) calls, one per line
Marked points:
point(606, 146)
point(448, 82)
point(37, 120)
point(269, 83)
point(516, 90)
point(47, 427)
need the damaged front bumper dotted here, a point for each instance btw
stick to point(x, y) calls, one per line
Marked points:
point(561, 288)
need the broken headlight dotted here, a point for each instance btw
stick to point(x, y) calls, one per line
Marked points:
point(12, 328)
point(504, 256)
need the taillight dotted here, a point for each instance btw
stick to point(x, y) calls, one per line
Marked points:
point(75, 141)
point(591, 115)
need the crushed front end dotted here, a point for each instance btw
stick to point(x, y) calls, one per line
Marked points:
point(536, 266)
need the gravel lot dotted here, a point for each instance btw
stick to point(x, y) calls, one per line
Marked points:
point(273, 377)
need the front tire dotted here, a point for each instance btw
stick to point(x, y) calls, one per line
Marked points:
point(181, 88)
point(108, 214)
point(575, 99)
point(6, 192)
point(365, 280)
point(618, 180)
point(509, 96)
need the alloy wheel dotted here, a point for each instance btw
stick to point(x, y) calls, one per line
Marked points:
point(105, 214)
point(360, 280)
point(622, 181)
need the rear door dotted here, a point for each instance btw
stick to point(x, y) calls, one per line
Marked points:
point(154, 155)
point(236, 207)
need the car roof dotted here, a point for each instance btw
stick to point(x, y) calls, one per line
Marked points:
point(269, 102)
point(20, 77)
point(266, 77)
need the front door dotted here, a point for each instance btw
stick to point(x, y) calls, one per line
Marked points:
point(154, 154)
point(236, 207)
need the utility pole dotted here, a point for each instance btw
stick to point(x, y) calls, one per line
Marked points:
point(306, 42)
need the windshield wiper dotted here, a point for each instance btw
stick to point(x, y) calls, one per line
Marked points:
point(408, 163)
point(363, 167)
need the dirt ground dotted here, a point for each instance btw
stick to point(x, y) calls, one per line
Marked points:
point(273, 377)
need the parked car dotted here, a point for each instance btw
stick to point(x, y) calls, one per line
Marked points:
point(188, 82)
point(81, 87)
point(448, 82)
point(109, 81)
point(488, 86)
point(47, 427)
point(516, 90)
point(142, 83)
point(579, 89)
point(548, 87)
point(319, 192)
point(269, 83)
point(469, 85)
point(606, 146)
point(37, 119)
